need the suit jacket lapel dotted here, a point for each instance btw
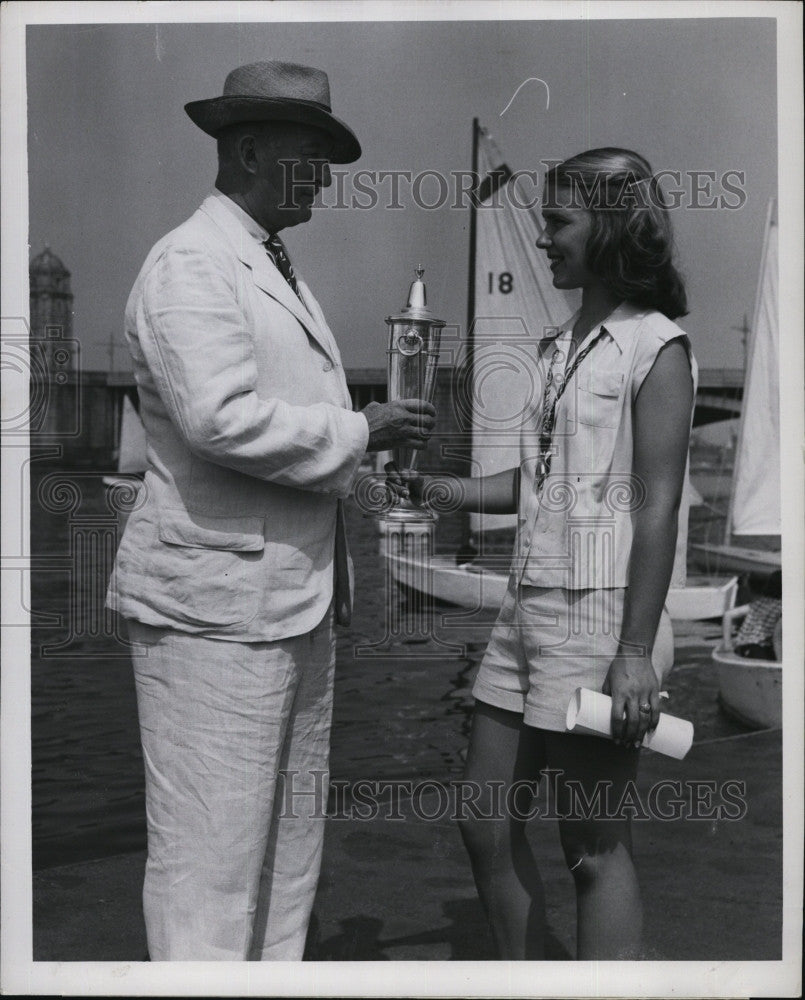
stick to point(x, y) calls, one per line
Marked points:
point(268, 278)
point(265, 274)
point(314, 309)
point(317, 315)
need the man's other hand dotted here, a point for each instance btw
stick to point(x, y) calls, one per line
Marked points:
point(405, 423)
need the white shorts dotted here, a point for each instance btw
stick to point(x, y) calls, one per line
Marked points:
point(549, 641)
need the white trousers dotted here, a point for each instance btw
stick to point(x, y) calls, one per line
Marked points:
point(236, 741)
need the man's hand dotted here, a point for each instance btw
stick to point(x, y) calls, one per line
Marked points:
point(405, 423)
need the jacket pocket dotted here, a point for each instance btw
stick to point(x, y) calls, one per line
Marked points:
point(598, 399)
point(214, 566)
point(212, 531)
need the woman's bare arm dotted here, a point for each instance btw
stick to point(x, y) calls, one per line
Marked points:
point(484, 494)
point(662, 427)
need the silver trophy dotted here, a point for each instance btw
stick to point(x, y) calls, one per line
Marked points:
point(413, 356)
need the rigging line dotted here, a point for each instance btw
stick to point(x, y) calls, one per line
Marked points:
point(737, 736)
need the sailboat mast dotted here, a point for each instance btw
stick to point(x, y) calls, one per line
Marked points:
point(470, 361)
point(467, 379)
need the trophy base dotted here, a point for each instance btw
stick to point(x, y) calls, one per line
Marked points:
point(405, 512)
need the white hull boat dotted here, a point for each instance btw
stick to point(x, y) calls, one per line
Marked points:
point(752, 690)
point(739, 558)
point(749, 690)
point(482, 588)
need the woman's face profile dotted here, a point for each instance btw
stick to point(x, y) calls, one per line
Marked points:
point(564, 239)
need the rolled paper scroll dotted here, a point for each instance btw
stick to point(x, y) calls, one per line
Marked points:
point(591, 712)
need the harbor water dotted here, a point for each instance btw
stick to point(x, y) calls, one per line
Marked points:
point(402, 713)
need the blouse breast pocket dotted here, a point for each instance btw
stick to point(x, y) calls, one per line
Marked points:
point(598, 398)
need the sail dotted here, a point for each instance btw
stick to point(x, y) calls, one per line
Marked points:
point(515, 304)
point(756, 485)
point(132, 440)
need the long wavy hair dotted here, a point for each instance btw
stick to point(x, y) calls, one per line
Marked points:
point(631, 245)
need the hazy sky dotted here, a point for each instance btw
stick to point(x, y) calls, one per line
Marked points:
point(114, 162)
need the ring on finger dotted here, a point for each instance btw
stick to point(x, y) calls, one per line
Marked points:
point(644, 709)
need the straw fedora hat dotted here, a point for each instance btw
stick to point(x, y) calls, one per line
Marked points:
point(276, 91)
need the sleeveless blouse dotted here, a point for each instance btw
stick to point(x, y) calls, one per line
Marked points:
point(576, 533)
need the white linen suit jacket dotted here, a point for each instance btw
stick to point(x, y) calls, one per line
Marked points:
point(251, 441)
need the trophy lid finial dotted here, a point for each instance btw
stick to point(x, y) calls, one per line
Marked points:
point(417, 297)
point(416, 307)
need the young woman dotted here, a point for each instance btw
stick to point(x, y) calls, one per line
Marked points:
point(597, 491)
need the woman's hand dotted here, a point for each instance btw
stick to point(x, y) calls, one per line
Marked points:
point(405, 483)
point(635, 692)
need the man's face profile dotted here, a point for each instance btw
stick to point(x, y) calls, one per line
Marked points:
point(292, 165)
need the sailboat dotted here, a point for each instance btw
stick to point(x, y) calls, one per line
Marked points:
point(512, 303)
point(751, 689)
point(753, 516)
point(130, 452)
point(131, 460)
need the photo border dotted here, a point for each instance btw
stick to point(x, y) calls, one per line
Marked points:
point(21, 974)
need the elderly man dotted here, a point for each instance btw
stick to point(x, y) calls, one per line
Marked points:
point(232, 569)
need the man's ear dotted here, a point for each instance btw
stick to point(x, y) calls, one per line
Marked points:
point(248, 156)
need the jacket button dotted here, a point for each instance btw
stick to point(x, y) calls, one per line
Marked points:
point(327, 366)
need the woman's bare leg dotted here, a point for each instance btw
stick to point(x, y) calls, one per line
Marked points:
point(597, 844)
point(504, 751)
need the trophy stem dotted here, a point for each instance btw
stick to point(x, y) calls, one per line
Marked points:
point(406, 459)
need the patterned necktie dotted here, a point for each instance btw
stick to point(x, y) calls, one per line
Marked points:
point(276, 251)
point(555, 386)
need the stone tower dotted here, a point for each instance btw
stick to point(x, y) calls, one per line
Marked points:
point(54, 353)
point(51, 298)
